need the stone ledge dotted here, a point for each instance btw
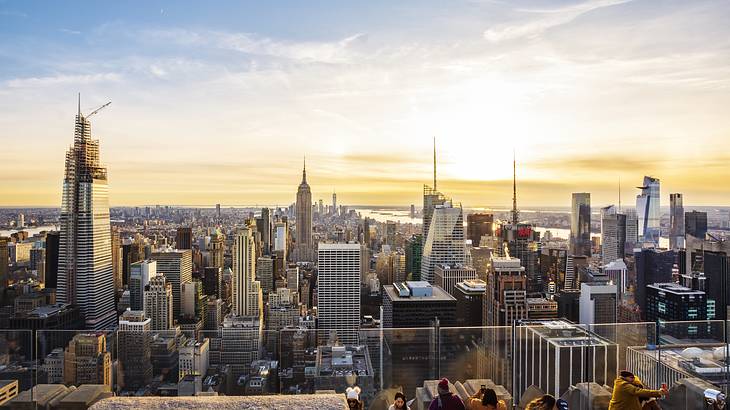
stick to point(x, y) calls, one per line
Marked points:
point(300, 401)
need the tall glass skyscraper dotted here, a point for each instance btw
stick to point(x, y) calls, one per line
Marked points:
point(580, 224)
point(676, 221)
point(85, 274)
point(445, 242)
point(647, 208)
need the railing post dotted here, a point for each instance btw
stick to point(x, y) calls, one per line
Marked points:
point(514, 360)
point(658, 338)
point(437, 336)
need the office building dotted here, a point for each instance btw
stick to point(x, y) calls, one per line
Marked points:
point(469, 296)
point(281, 234)
point(695, 223)
point(265, 274)
point(158, 303)
point(632, 230)
point(523, 243)
point(87, 361)
point(414, 252)
point(53, 366)
point(177, 266)
point(647, 209)
point(555, 355)
point(541, 309)
point(478, 225)
point(304, 249)
point(184, 238)
point(506, 294)
point(134, 338)
point(283, 309)
point(213, 314)
point(194, 357)
point(53, 242)
point(613, 234)
point(445, 243)
point(669, 302)
point(597, 302)
point(213, 281)
point(85, 275)
point(4, 260)
point(676, 221)
point(580, 224)
point(338, 287)
point(140, 274)
point(216, 249)
point(247, 296)
point(194, 301)
point(264, 227)
point(652, 266)
point(292, 279)
point(446, 276)
point(417, 304)
point(616, 272)
point(340, 367)
point(237, 344)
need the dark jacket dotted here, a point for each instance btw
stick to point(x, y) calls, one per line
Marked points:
point(447, 401)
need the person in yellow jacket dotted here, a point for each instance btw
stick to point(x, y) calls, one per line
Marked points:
point(628, 391)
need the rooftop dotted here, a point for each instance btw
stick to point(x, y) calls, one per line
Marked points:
point(438, 294)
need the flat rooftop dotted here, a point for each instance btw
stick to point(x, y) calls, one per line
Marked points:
point(438, 295)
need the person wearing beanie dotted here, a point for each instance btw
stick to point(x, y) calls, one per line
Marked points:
point(353, 398)
point(628, 393)
point(445, 399)
point(399, 403)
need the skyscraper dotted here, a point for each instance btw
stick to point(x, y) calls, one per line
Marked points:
point(184, 238)
point(580, 224)
point(139, 277)
point(647, 208)
point(445, 242)
point(478, 225)
point(134, 349)
point(334, 203)
point(158, 303)
point(264, 226)
point(304, 219)
point(87, 361)
point(247, 297)
point(85, 273)
point(676, 221)
point(696, 224)
point(613, 234)
point(177, 266)
point(338, 287)
point(4, 259)
point(53, 241)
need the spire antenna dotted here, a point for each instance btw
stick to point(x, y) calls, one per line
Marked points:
point(619, 194)
point(434, 163)
point(515, 213)
point(304, 170)
point(79, 104)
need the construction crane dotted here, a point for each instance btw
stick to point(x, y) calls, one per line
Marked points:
point(98, 109)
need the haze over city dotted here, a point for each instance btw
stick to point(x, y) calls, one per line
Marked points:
point(220, 104)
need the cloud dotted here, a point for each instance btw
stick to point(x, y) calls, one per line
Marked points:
point(69, 31)
point(250, 43)
point(62, 79)
point(546, 19)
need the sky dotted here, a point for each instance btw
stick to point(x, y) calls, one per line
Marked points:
point(218, 102)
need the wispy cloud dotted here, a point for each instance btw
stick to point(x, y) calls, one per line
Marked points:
point(250, 43)
point(69, 31)
point(542, 20)
point(62, 79)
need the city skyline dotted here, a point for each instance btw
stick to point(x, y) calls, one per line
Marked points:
point(364, 97)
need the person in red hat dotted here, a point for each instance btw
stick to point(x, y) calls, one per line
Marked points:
point(445, 399)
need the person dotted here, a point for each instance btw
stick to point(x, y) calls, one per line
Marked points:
point(445, 399)
point(399, 403)
point(546, 402)
point(485, 399)
point(628, 393)
point(353, 398)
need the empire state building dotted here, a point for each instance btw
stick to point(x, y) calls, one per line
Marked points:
point(304, 220)
point(85, 276)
